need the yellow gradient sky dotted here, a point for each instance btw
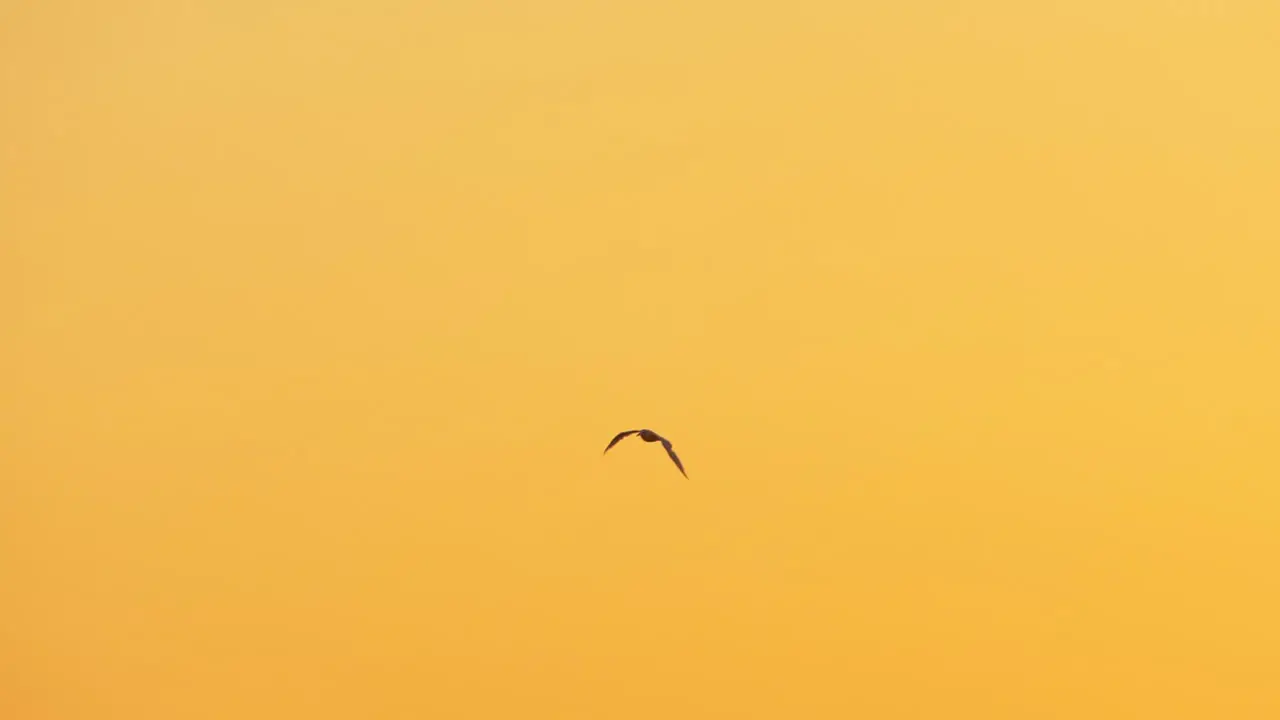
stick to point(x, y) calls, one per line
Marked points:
point(315, 317)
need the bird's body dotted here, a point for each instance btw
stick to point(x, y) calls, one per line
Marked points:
point(650, 436)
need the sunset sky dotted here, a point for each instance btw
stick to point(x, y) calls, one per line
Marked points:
point(964, 318)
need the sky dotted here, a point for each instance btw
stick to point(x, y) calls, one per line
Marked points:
point(317, 317)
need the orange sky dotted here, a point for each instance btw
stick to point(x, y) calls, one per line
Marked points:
point(962, 316)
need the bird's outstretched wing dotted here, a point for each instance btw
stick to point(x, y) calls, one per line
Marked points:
point(674, 458)
point(618, 437)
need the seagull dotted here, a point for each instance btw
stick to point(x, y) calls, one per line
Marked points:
point(650, 436)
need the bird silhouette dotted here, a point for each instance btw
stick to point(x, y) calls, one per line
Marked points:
point(650, 436)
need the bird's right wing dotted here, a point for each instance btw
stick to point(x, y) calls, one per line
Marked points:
point(618, 437)
point(674, 458)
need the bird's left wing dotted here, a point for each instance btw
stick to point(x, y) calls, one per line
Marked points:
point(618, 437)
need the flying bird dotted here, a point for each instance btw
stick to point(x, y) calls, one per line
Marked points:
point(650, 436)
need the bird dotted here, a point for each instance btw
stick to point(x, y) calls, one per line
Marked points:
point(650, 436)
